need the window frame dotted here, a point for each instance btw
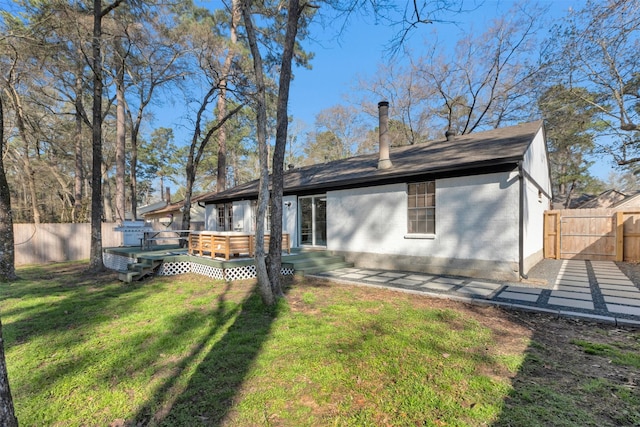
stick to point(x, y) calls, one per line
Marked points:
point(421, 210)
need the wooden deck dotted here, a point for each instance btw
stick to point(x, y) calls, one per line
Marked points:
point(134, 263)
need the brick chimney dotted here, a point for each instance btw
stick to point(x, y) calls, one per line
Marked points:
point(383, 115)
point(167, 196)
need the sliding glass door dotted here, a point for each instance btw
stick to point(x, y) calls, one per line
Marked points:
point(313, 220)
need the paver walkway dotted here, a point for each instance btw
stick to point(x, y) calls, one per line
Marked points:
point(596, 290)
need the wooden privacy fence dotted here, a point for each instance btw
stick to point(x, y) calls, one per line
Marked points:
point(592, 234)
point(41, 243)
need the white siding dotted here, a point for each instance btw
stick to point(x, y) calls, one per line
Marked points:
point(476, 218)
point(289, 218)
point(210, 217)
point(536, 162)
point(535, 200)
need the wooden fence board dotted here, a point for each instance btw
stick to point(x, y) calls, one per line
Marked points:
point(42, 243)
point(592, 234)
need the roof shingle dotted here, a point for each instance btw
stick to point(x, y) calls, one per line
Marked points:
point(483, 149)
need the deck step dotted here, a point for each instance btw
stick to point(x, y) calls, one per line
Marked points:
point(138, 270)
point(127, 276)
point(310, 262)
point(316, 262)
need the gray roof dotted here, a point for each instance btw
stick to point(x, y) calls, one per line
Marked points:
point(471, 153)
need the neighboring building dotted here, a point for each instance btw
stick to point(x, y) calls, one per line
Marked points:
point(630, 202)
point(170, 215)
point(606, 199)
point(469, 205)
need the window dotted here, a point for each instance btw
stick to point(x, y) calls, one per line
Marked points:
point(225, 217)
point(229, 207)
point(221, 225)
point(421, 208)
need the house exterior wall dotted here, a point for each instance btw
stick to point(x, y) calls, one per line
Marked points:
point(537, 189)
point(210, 217)
point(244, 216)
point(476, 227)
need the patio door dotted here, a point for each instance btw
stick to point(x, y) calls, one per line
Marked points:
point(313, 220)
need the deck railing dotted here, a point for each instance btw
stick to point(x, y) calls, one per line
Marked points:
point(228, 244)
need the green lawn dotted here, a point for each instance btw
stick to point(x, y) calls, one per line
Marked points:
point(187, 350)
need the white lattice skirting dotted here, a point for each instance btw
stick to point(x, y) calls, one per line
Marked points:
point(230, 274)
point(121, 263)
point(116, 262)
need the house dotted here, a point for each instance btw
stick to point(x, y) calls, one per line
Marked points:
point(629, 203)
point(170, 215)
point(606, 199)
point(468, 205)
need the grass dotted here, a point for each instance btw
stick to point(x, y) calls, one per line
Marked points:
point(187, 350)
point(620, 356)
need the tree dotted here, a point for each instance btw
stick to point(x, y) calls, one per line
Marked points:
point(486, 81)
point(339, 133)
point(155, 60)
point(95, 261)
point(221, 179)
point(570, 138)
point(260, 105)
point(324, 146)
point(205, 48)
point(595, 51)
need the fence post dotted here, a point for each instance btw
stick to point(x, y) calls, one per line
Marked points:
point(619, 236)
point(558, 225)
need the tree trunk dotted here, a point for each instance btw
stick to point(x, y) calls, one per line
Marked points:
point(7, 272)
point(120, 135)
point(107, 196)
point(79, 173)
point(7, 249)
point(282, 121)
point(221, 178)
point(264, 286)
point(7, 413)
point(95, 257)
point(133, 165)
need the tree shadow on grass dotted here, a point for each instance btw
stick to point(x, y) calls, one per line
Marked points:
point(69, 299)
point(208, 396)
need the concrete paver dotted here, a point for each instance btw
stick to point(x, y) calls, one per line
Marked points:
point(437, 286)
point(519, 289)
point(626, 301)
point(624, 309)
point(519, 296)
point(573, 303)
point(567, 288)
point(405, 282)
point(572, 295)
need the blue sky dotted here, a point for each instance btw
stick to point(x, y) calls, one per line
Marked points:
point(340, 58)
point(364, 45)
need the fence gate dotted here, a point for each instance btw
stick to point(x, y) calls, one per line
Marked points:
point(592, 234)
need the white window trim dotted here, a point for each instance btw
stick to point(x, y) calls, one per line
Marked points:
point(422, 236)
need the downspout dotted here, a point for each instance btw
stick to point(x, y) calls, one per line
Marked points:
point(521, 223)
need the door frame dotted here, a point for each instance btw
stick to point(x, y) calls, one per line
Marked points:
point(313, 197)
